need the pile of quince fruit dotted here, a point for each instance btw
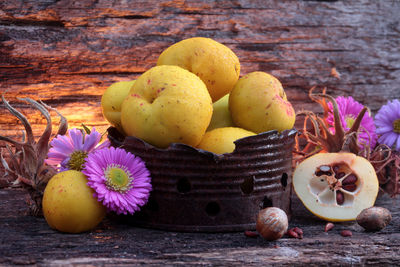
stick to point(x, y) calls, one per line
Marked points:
point(194, 96)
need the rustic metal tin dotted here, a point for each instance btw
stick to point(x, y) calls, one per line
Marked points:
point(199, 191)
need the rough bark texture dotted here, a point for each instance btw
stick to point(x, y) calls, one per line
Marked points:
point(67, 52)
point(28, 240)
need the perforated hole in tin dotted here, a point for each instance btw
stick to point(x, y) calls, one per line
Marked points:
point(183, 185)
point(266, 203)
point(247, 186)
point(212, 208)
point(284, 179)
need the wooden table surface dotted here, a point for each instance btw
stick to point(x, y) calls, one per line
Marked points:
point(67, 53)
point(27, 240)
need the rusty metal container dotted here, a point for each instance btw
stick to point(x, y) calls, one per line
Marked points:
point(199, 191)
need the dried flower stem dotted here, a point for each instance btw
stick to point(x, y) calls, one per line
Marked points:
point(26, 164)
point(387, 166)
point(319, 138)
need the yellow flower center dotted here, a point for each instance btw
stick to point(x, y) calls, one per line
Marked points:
point(77, 159)
point(396, 126)
point(349, 121)
point(118, 178)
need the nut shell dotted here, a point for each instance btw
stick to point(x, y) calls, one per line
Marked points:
point(374, 218)
point(272, 223)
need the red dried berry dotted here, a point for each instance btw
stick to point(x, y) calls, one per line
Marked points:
point(346, 233)
point(299, 231)
point(291, 233)
point(329, 226)
point(250, 233)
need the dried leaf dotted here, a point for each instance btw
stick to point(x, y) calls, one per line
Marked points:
point(4, 162)
point(87, 130)
point(387, 166)
point(335, 73)
point(14, 158)
point(26, 163)
point(42, 146)
point(63, 125)
point(22, 118)
point(321, 136)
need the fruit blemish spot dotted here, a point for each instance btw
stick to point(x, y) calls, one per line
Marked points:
point(135, 95)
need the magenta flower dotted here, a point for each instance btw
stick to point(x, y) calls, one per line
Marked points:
point(69, 152)
point(348, 111)
point(387, 121)
point(121, 180)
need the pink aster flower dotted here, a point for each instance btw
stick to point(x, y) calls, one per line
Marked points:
point(348, 111)
point(387, 121)
point(121, 180)
point(69, 152)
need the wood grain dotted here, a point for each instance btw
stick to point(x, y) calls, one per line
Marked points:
point(66, 53)
point(28, 240)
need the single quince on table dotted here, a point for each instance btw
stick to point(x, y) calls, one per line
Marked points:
point(69, 205)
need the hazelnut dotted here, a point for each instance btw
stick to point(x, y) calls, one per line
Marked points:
point(374, 218)
point(272, 223)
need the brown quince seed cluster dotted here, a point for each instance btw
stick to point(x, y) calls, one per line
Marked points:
point(335, 182)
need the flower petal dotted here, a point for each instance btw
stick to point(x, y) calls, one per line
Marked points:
point(91, 140)
point(77, 138)
point(349, 108)
point(125, 202)
point(389, 139)
point(398, 143)
point(62, 144)
point(384, 129)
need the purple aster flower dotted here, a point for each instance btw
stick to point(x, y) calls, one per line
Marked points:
point(69, 152)
point(348, 111)
point(387, 121)
point(121, 180)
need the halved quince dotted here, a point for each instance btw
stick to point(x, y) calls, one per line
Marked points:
point(336, 186)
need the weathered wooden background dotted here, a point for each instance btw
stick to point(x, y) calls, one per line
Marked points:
point(67, 52)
